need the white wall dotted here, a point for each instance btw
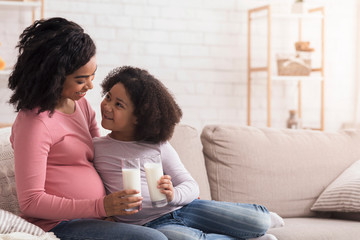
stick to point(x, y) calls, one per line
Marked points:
point(198, 48)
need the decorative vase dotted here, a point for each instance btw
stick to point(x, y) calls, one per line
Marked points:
point(2, 64)
point(293, 121)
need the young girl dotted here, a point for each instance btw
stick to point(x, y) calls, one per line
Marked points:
point(142, 114)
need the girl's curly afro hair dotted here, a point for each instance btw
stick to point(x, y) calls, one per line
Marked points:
point(155, 108)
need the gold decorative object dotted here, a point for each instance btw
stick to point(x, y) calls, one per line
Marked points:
point(2, 62)
point(303, 46)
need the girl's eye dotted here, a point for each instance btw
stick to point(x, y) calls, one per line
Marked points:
point(80, 82)
point(107, 97)
point(119, 105)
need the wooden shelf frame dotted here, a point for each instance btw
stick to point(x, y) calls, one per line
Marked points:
point(315, 13)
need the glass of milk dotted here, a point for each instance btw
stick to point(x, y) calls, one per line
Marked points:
point(154, 171)
point(131, 176)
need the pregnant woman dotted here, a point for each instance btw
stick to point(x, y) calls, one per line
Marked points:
point(57, 186)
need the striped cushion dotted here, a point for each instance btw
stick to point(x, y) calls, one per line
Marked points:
point(343, 194)
point(9, 223)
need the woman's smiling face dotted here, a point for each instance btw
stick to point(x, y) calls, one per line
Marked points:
point(77, 83)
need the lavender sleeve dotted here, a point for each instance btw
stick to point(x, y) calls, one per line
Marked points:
point(186, 188)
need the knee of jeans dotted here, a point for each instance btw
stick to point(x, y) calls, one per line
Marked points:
point(173, 231)
point(262, 222)
point(156, 235)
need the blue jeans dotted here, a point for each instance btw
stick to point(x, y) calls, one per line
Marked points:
point(93, 229)
point(202, 219)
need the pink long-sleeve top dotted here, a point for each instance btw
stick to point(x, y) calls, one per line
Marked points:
point(55, 177)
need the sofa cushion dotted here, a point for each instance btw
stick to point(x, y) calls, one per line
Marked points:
point(186, 142)
point(317, 228)
point(15, 227)
point(284, 169)
point(8, 198)
point(13, 223)
point(343, 194)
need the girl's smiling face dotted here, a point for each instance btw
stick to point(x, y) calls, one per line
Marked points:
point(117, 113)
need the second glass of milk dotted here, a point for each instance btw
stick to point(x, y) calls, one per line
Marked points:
point(131, 176)
point(154, 171)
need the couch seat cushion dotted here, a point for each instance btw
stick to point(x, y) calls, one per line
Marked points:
point(316, 229)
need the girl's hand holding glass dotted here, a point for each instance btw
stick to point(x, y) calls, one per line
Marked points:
point(116, 203)
point(166, 187)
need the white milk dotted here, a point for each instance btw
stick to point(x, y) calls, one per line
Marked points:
point(131, 180)
point(154, 171)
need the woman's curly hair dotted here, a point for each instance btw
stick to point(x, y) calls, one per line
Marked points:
point(49, 50)
point(155, 108)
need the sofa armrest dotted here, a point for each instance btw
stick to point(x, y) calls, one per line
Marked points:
point(187, 144)
point(8, 198)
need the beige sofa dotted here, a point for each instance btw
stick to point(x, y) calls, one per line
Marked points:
point(285, 170)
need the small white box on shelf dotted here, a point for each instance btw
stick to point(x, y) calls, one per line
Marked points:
point(299, 7)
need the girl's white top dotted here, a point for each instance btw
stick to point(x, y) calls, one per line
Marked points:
point(107, 161)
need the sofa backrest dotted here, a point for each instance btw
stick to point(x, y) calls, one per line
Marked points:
point(283, 169)
point(186, 141)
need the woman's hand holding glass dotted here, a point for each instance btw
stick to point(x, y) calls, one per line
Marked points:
point(116, 203)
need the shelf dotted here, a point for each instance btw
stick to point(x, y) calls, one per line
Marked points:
point(29, 4)
point(297, 78)
point(4, 125)
point(291, 78)
point(5, 72)
point(290, 16)
point(298, 16)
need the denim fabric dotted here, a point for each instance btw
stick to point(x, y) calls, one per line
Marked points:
point(92, 229)
point(202, 219)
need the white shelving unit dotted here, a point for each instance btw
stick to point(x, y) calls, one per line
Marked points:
point(37, 9)
point(264, 14)
point(32, 5)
